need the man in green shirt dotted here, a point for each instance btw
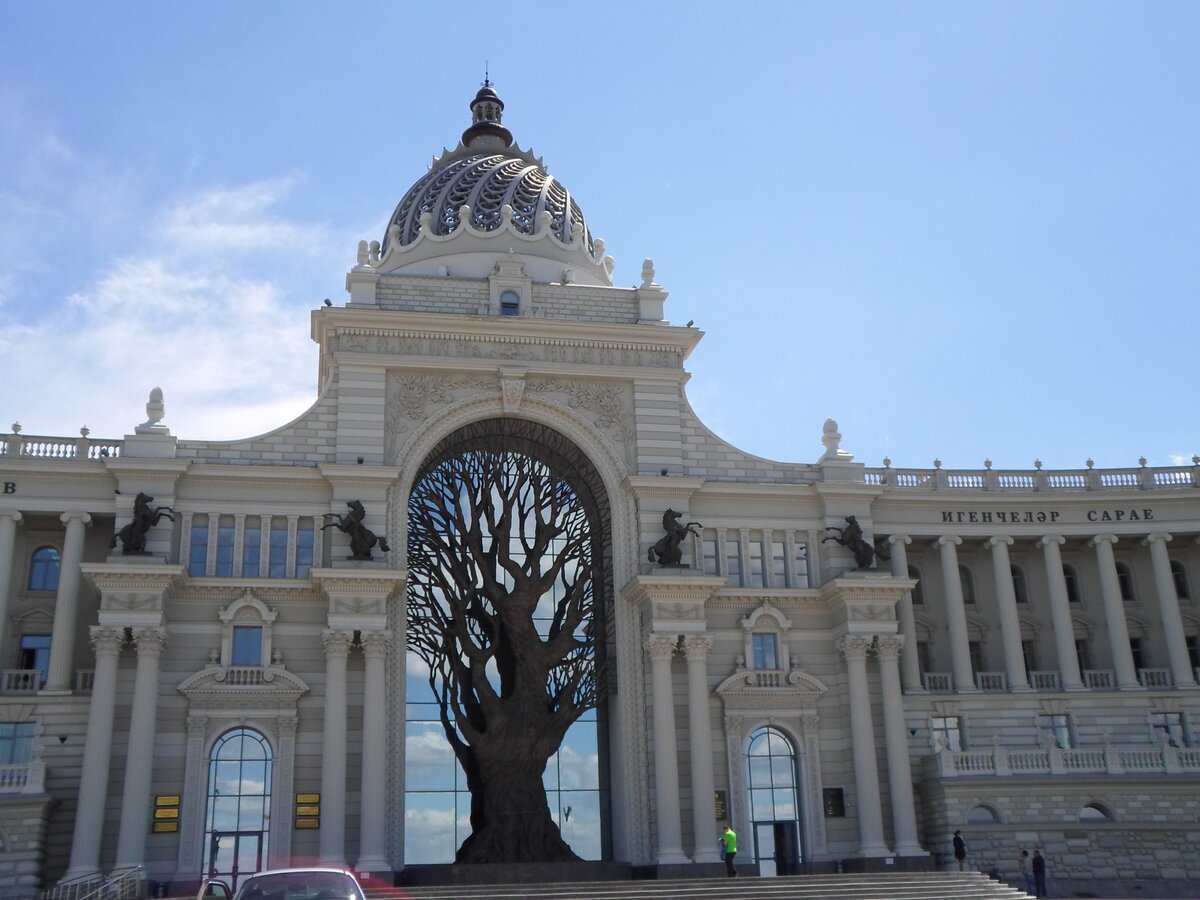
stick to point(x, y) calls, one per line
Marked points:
point(729, 838)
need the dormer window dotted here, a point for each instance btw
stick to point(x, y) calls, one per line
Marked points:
point(510, 303)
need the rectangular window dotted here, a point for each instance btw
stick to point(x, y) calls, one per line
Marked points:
point(923, 656)
point(1058, 727)
point(778, 564)
point(1193, 650)
point(251, 546)
point(800, 565)
point(305, 541)
point(754, 564)
point(35, 654)
point(946, 731)
point(708, 548)
point(247, 645)
point(764, 651)
point(1083, 654)
point(1135, 650)
point(277, 567)
point(1168, 728)
point(975, 649)
point(1029, 654)
point(198, 546)
point(224, 547)
point(733, 561)
point(16, 742)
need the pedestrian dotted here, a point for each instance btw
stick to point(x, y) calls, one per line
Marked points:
point(960, 851)
point(1039, 874)
point(729, 839)
point(1023, 862)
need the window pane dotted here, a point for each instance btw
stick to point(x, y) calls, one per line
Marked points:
point(304, 547)
point(224, 566)
point(251, 547)
point(43, 569)
point(198, 547)
point(764, 651)
point(247, 645)
point(279, 535)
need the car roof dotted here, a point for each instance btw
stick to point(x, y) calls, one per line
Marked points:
point(303, 869)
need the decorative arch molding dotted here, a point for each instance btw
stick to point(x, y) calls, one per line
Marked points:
point(1137, 626)
point(788, 703)
point(977, 628)
point(995, 814)
point(1082, 628)
point(925, 630)
point(631, 789)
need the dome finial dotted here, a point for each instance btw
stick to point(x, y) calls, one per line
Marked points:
point(487, 110)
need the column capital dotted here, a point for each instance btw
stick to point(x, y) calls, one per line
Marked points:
point(696, 646)
point(197, 726)
point(286, 726)
point(336, 643)
point(14, 514)
point(1156, 536)
point(375, 644)
point(948, 540)
point(85, 518)
point(1049, 539)
point(150, 641)
point(854, 646)
point(997, 539)
point(894, 539)
point(1109, 539)
point(106, 640)
point(889, 646)
point(662, 646)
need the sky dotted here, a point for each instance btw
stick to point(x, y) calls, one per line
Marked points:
point(963, 230)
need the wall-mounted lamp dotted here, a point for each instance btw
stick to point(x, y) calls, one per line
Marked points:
point(62, 738)
point(912, 732)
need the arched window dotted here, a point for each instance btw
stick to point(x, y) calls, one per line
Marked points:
point(918, 592)
point(1094, 812)
point(510, 303)
point(1179, 576)
point(982, 815)
point(1071, 577)
point(774, 801)
point(239, 805)
point(1020, 588)
point(1125, 581)
point(968, 584)
point(43, 569)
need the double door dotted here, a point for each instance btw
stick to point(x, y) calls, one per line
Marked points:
point(777, 848)
point(234, 855)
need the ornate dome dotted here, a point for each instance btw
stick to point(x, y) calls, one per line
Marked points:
point(489, 188)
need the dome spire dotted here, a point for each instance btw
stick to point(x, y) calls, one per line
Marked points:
point(487, 110)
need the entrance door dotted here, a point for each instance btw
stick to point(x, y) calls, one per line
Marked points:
point(777, 848)
point(234, 855)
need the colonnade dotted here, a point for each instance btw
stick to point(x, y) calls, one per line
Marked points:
point(855, 649)
point(1062, 624)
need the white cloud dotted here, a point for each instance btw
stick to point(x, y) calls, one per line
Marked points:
point(222, 335)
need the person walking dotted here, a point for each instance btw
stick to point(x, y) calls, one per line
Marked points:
point(1039, 873)
point(1023, 862)
point(729, 838)
point(960, 851)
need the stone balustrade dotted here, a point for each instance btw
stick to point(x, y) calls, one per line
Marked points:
point(938, 479)
point(27, 778)
point(36, 446)
point(20, 681)
point(1108, 760)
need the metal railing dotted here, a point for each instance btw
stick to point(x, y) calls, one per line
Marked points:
point(119, 884)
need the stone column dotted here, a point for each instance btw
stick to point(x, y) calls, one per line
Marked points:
point(97, 750)
point(1114, 612)
point(704, 815)
point(1010, 625)
point(888, 648)
point(372, 854)
point(1168, 608)
point(9, 519)
point(1060, 614)
point(956, 614)
point(862, 738)
point(139, 763)
point(910, 665)
point(66, 603)
point(661, 648)
point(332, 846)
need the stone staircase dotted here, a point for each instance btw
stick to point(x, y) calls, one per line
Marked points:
point(883, 886)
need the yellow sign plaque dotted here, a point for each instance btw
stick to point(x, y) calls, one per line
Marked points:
point(308, 798)
point(308, 823)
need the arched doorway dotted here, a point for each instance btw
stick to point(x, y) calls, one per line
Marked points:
point(774, 802)
point(509, 560)
point(238, 810)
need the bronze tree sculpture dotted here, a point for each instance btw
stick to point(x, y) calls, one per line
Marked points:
point(504, 577)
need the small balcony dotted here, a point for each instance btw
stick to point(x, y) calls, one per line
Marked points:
point(29, 778)
point(991, 682)
point(1155, 678)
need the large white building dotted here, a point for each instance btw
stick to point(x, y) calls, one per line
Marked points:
point(1018, 661)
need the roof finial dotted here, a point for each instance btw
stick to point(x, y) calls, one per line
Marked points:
point(487, 111)
point(487, 81)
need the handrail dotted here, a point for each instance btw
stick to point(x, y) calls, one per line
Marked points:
point(119, 884)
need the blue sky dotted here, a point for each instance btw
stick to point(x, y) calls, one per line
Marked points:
point(964, 230)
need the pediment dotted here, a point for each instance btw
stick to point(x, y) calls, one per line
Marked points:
point(246, 686)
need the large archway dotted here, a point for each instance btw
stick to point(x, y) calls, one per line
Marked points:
point(508, 641)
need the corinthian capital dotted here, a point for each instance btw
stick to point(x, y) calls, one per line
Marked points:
point(696, 646)
point(855, 646)
point(889, 646)
point(662, 646)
